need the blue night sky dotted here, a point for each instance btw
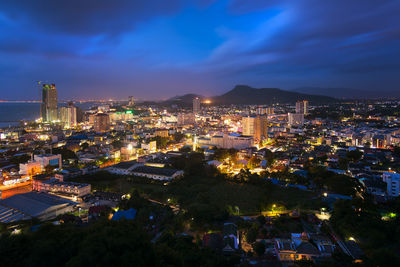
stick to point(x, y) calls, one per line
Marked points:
point(152, 49)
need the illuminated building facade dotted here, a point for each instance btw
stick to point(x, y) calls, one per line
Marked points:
point(302, 107)
point(49, 103)
point(295, 119)
point(68, 115)
point(131, 101)
point(255, 126)
point(196, 105)
point(101, 122)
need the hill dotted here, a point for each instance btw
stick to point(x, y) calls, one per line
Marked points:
point(243, 94)
point(347, 93)
point(186, 99)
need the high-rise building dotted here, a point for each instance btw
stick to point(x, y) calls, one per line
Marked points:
point(261, 110)
point(68, 115)
point(255, 126)
point(49, 102)
point(302, 107)
point(248, 125)
point(131, 101)
point(270, 111)
point(101, 122)
point(295, 119)
point(196, 105)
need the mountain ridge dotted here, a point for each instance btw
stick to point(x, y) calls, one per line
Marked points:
point(244, 94)
point(346, 93)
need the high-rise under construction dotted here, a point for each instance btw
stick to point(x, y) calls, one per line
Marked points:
point(49, 102)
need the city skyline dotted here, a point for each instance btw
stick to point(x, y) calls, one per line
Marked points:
point(157, 50)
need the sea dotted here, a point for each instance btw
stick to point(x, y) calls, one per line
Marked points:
point(11, 113)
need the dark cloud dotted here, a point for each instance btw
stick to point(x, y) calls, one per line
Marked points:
point(86, 17)
point(117, 47)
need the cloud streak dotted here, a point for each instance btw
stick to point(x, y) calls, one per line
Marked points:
point(154, 49)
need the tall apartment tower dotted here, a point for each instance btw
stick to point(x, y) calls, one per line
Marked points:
point(49, 102)
point(196, 105)
point(68, 115)
point(302, 107)
point(255, 126)
point(131, 101)
point(101, 122)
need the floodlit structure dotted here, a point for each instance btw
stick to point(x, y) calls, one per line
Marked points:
point(49, 103)
point(196, 105)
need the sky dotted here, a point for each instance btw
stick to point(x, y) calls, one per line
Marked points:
point(153, 50)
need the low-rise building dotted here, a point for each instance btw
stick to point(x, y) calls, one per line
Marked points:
point(33, 205)
point(58, 187)
point(49, 159)
point(30, 168)
point(123, 168)
point(156, 173)
point(392, 181)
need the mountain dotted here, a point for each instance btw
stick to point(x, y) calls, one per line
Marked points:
point(347, 93)
point(187, 99)
point(181, 101)
point(243, 94)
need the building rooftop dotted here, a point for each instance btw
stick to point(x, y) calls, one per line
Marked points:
point(155, 170)
point(31, 204)
point(125, 164)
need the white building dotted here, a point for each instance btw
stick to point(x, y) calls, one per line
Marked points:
point(295, 119)
point(248, 125)
point(68, 115)
point(232, 140)
point(393, 183)
point(30, 168)
point(302, 107)
point(157, 173)
point(124, 168)
point(66, 188)
point(49, 159)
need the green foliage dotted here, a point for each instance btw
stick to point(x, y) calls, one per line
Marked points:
point(361, 219)
point(270, 157)
point(162, 142)
point(251, 235)
point(259, 248)
point(253, 162)
point(104, 243)
point(221, 154)
point(84, 145)
point(117, 144)
point(20, 159)
point(335, 183)
point(354, 155)
point(65, 153)
point(178, 137)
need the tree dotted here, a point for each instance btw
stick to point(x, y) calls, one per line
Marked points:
point(259, 248)
point(49, 169)
point(178, 137)
point(261, 220)
point(84, 145)
point(354, 155)
point(117, 144)
point(251, 235)
point(20, 159)
point(253, 162)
